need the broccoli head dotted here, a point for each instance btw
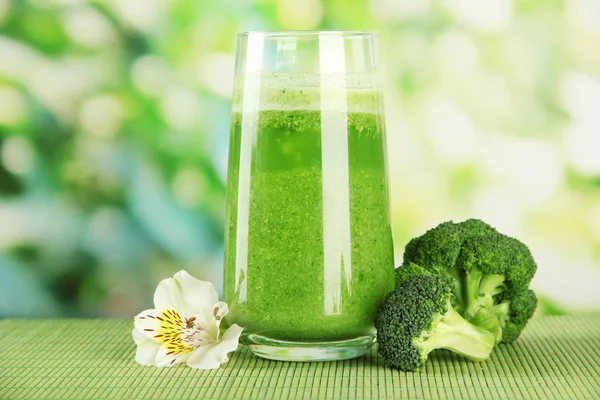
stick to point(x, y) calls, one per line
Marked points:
point(490, 271)
point(439, 247)
point(418, 317)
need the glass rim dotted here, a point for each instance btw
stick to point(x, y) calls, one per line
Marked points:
point(307, 33)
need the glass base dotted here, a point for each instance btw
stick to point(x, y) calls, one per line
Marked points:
point(281, 350)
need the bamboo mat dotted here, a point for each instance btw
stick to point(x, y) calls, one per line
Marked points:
point(555, 358)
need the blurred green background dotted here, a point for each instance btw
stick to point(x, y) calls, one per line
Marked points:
point(114, 121)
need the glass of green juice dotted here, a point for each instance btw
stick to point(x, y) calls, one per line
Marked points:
point(308, 246)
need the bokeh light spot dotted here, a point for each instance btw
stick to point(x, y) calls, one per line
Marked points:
point(189, 186)
point(140, 15)
point(294, 14)
point(457, 53)
point(581, 96)
point(150, 75)
point(497, 205)
point(13, 106)
point(215, 71)
point(532, 167)
point(103, 224)
point(18, 156)
point(180, 108)
point(595, 222)
point(101, 116)
point(585, 14)
point(394, 10)
point(88, 27)
point(485, 16)
point(451, 131)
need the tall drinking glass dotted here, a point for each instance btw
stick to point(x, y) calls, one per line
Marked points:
point(308, 247)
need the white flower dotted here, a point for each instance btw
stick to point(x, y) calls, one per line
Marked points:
point(184, 326)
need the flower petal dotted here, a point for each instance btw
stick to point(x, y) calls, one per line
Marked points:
point(147, 323)
point(146, 348)
point(146, 352)
point(186, 294)
point(138, 337)
point(211, 357)
point(231, 338)
point(220, 310)
point(166, 358)
point(200, 295)
point(199, 354)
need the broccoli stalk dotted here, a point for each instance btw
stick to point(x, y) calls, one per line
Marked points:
point(460, 289)
point(481, 293)
point(452, 332)
point(501, 310)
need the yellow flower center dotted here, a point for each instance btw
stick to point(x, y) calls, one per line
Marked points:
point(179, 336)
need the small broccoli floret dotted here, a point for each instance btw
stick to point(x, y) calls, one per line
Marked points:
point(418, 317)
point(488, 269)
point(437, 248)
point(514, 312)
point(410, 250)
point(497, 268)
point(405, 271)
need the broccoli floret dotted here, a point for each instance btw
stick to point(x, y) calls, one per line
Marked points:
point(406, 271)
point(418, 317)
point(438, 249)
point(497, 268)
point(514, 312)
point(488, 268)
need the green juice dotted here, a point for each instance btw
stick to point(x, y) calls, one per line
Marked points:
point(309, 253)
